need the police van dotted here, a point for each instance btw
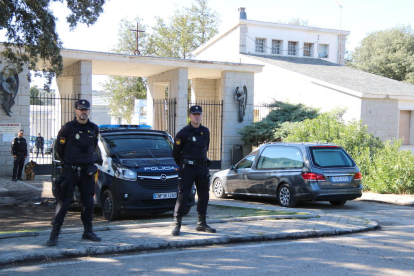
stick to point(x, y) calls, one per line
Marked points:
point(137, 173)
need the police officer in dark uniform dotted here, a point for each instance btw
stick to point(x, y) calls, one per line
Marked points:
point(19, 152)
point(76, 143)
point(190, 153)
point(39, 143)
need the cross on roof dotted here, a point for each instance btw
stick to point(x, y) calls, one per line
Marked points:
point(137, 52)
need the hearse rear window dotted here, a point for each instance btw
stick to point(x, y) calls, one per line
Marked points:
point(330, 157)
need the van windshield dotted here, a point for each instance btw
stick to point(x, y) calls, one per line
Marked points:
point(139, 146)
point(331, 157)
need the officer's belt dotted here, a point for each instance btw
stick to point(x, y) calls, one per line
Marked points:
point(77, 167)
point(21, 152)
point(195, 162)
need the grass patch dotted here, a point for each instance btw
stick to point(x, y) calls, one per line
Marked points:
point(19, 231)
point(249, 212)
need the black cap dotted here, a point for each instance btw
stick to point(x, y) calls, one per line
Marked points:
point(196, 109)
point(82, 104)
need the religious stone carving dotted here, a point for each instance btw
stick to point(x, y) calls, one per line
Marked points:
point(241, 98)
point(10, 87)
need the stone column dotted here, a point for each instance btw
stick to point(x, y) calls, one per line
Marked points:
point(177, 80)
point(76, 79)
point(20, 115)
point(229, 81)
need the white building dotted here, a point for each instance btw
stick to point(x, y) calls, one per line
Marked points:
point(304, 65)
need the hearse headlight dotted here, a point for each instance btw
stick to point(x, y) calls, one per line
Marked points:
point(124, 173)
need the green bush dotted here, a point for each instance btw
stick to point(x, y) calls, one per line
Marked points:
point(392, 171)
point(276, 125)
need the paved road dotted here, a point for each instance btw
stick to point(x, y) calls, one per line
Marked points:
point(388, 251)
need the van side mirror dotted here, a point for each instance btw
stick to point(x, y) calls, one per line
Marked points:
point(232, 167)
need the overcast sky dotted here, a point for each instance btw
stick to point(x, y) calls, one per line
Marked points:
point(360, 17)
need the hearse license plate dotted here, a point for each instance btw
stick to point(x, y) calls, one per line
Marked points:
point(165, 195)
point(340, 179)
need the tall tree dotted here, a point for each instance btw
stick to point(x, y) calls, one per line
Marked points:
point(388, 53)
point(183, 32)
point(31, 33)
point(177, 37)
point(124, 90)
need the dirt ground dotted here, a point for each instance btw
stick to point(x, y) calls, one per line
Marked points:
point(35, 213)
point(21, 211)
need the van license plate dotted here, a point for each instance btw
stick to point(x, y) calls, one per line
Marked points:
point(165, 195)
point(340, 179)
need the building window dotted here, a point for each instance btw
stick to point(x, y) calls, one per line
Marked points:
point(323, 51)
point(308, 49)
point(260, 45)
point(292, 48)
point(276, 47)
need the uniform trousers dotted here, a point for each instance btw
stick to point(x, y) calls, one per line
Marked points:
point(18, 165)
point(188, 175)
point(86, 186)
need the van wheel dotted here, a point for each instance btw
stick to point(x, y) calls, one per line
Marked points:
point(218, 188)
point(108, 206)
point(337, 202)
point(285, 196)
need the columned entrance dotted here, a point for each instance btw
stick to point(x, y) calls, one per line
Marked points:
point(167, 79)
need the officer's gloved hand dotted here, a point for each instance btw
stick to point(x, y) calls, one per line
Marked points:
point(91, 170)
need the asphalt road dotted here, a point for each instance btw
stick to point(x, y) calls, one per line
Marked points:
point(388, 251)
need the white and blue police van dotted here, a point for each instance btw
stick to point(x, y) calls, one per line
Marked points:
point(137, 173)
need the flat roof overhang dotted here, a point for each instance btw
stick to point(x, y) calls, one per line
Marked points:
point(145, 66)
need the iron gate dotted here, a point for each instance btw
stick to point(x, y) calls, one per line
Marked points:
point(164, 119)
point(48, 114)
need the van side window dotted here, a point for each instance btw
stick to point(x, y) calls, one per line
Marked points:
point(280, 158)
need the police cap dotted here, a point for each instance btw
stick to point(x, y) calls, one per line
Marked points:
point(196, 109)
point(82, 104)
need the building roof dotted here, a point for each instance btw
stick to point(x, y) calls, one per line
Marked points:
point(341, 76)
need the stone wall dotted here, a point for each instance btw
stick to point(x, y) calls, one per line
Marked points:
point(229, 81)
point(381, 116)
point(20, 115)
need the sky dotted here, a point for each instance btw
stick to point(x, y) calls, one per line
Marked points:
point(360, 17)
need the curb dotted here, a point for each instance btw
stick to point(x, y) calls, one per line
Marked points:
point(90, 251)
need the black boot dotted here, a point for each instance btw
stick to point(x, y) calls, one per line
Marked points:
point(177, 226)
point(88, 234)
point(203, 226)
point(54, 235)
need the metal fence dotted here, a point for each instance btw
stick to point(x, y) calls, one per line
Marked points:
point(164, 115)
point(48, 114)
point(260, 111)
point(213, 119)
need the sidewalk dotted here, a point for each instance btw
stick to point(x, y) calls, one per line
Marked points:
point(31, 246)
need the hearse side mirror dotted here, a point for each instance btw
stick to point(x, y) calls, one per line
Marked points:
point(232, 167)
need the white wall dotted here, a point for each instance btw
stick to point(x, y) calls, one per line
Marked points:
point(225, 49)
point(276, 83)
point(286, 35)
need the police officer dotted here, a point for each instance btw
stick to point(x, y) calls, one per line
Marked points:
point(40, 142)
point(190, 153)
point(76, 143)
point(19, 152)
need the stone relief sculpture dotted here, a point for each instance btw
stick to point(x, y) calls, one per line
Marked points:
point(10, 87)
point(241, 98)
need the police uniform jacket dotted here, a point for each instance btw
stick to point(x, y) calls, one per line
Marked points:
point(191, 143)
point(19, 146)
point(40, 141)
point(76, 143)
